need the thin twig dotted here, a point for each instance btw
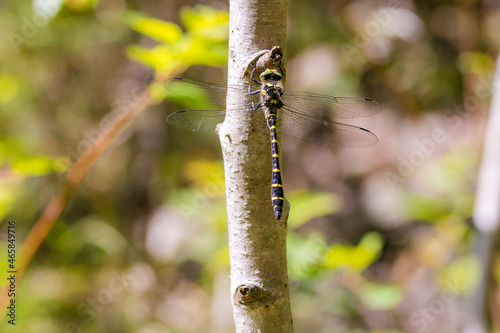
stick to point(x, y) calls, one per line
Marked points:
point(72, 179)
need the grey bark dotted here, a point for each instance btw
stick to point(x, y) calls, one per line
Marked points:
point(486, 216)
point(257, 241)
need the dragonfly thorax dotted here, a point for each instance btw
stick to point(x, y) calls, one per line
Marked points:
point(271, 90)
point(270, 95)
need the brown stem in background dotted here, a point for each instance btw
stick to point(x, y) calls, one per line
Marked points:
point(72, 179)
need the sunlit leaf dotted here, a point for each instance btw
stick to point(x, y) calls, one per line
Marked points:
point(461, 276)
point(476, 62)
point(219, 260)
point(206, 22)
point(207, 175)
point(35, 165)
point(381, 297)
point(100, 233)
point(201, 51)
point(143, 55)
point(8, 197)
point(163, 31)
point(306, 205)
point(355, 257)
point(205, 42)
point(160, 58)
point(9, 88)
point(425, 207)
point(305, 255)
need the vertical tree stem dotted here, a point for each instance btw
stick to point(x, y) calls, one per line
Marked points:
point(486, 215)
point(257, 241)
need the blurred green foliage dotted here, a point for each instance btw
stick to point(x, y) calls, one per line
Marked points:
point(142, 246)
point(204, 27)
point(203, 43)
point(354, 257)
point(301, 202)
point(381, 297)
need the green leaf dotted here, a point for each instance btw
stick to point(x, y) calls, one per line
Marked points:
point(381, 297)
point(144, 56)
point(10, 87)
point(206, 22)
point(204, 174)
point(461, 276)
point(205, 43)
point(161, 58)
point(36, 166)
point(8, 197)
point(425, 208)
point(305, 255)
point(478, 63)
point(356, 258)
point(166, 32)
point(306, 205)
point(202, 51)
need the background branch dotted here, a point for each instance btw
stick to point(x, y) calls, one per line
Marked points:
point(486, 215)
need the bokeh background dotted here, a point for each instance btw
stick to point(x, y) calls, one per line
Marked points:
point(380, 238)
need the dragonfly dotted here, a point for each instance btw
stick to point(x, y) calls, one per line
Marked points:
point(308, 116)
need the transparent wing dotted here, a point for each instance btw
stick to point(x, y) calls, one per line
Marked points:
point(201, 120)
point(204, 94)
point(308, 116)
point(197, 120)
point(326, 133)
point(328, 107)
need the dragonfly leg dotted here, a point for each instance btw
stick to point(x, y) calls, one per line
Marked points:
point(251, 75)
point(253, 106)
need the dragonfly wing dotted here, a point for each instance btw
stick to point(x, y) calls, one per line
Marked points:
point(202, 120)
point(326, 133)
point(197, 120)
point(328, 107)
point(201, 93)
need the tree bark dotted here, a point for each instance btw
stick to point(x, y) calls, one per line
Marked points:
point(486, 216)
point(257, 241)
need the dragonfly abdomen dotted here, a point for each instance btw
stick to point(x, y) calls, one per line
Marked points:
point(276, 183)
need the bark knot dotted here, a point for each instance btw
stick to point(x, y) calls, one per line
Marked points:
point(252, 296)
point(271, 57)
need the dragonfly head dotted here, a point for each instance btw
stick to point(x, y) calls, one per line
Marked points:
point(271, 74)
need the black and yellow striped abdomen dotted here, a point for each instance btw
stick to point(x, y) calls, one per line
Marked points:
point(271, 93)
point(276, 183)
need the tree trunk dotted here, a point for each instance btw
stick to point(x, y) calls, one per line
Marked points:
point(257, 241)
point(486, 216)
